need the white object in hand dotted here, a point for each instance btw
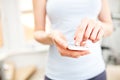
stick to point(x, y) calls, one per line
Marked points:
point(74, 47)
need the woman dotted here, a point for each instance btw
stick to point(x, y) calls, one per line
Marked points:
point(82, 22)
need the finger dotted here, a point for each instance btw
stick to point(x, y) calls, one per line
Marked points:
point(84, 52)
point(63, 51)
point(94, 32)
point(61, 42)
point(89, 29)
point(77, 30)
point(83, 43)
point(80, 33)
point(78, 54)
point(73, 53)
point(100, 34)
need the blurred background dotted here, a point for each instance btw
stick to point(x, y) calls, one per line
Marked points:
point(22, 58)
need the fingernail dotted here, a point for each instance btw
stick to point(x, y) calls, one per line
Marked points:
point(83, 43)
point(77, 43)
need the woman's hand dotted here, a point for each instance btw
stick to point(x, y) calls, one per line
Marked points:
point(88, 29)
point(61, 43)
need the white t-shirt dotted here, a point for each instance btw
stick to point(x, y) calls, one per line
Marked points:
point(65, 16)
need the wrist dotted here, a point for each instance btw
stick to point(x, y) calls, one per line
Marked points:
point(50, 36)
point(107, 28)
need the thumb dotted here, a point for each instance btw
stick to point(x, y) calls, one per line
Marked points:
point(61, 42)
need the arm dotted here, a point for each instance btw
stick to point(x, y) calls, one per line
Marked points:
point(55, 37)
point(39, 7)
point(105, 18)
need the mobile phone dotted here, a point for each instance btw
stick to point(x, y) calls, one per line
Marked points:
point(74, 47)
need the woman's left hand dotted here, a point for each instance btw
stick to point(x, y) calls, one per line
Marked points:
point(88, 29)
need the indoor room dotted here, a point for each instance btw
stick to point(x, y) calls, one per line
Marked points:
point(24, 58)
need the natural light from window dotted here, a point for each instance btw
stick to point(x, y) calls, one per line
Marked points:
point(1, 38)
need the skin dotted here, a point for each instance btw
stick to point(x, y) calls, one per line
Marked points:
point(88, 29)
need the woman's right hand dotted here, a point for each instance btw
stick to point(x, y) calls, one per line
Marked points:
point(60, 42)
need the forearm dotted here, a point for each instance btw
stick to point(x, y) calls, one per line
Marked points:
point(43, 37)
point(105, 18)
point(39, 9)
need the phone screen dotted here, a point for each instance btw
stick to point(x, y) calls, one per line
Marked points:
point(74, 47)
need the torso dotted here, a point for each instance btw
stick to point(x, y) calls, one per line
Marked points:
point(65, 16)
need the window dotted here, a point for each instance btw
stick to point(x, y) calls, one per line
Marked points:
point(18, 26)
point(1, 41)
point(1, 38)
point(27, 20)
